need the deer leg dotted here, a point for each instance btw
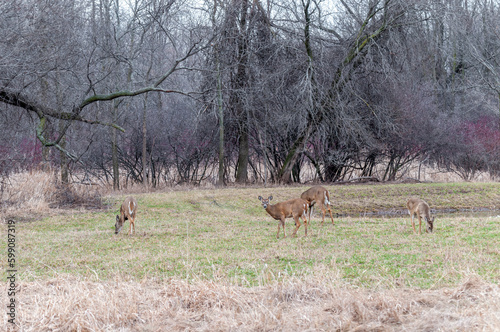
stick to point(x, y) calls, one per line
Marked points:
point(282, 224)
point(310, 210)
point(133, 223)
point(413, 224)
point(331, 215)
point(419, 225)
point(278, 234)
point(297, 224)
point(323, 211)
point(305, 222)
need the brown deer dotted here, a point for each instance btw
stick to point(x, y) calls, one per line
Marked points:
point(128, 211)
point(293, 208)
point(320, 195)
point(421, 208)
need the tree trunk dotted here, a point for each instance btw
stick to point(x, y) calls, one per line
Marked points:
point(114, 149)
point(285, 174)
point(45, 128)
point(240, 84)
point(242, 166)
point(220, 181)
point(63, 158)
point(45, 150)
point(369, 164)
point(144, 143)
point(62, 155)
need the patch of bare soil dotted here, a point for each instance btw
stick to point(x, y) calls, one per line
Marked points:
point(70, 304)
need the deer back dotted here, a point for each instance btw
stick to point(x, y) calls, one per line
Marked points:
point(287, 209)
point(316, 193)
point(128, 209)
point(412, 204)
point(415, 205)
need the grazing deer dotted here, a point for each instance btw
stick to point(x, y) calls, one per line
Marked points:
point(293, 208)
point(128, 211)
point(421, 208)
point(320, 195)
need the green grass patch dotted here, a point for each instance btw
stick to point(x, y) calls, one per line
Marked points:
point(225, 235)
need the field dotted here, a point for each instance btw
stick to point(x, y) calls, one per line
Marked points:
point(209, 260)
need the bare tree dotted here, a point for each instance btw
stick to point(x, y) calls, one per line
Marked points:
point(91, 68)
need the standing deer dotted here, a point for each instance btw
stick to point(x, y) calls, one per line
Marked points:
point(320, 195)
point(293, 208)
point(128, 211)
point(421, 208)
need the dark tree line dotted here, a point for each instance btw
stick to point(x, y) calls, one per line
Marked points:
point(170, 91)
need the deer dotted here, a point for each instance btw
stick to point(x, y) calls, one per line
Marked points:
point(421, 209)
point(294, 208)
point(128, 211)
point(320, 195)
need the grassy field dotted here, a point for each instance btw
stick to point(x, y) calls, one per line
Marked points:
point(222, 242)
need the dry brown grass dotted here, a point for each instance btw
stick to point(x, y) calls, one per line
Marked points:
point(39, 192)
point(29, 190)
point(72, 304)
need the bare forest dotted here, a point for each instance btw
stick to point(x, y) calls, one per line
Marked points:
point(165, 92)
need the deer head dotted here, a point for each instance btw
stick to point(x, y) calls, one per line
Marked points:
point(119, 224)
point(430, 224)
point(265, 202)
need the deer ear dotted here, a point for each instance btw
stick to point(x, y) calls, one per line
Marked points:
point(270, 197)
point(260, 198)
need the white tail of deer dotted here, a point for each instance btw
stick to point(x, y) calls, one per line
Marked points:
point(320, 195)
point(293, 208)
point(421, 209)
point(128, 211)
